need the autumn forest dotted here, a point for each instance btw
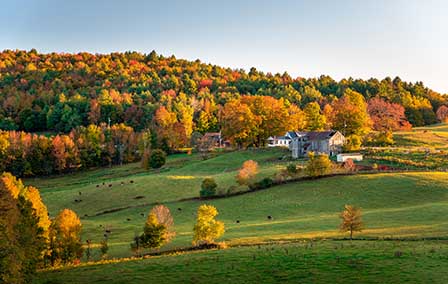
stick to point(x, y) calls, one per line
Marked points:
point(87, 110)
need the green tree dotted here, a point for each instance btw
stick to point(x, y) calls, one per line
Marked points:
point(157, 159)
point(22, 244)
point(153, 233)
point(315, 120)
point(104, 247)
point(208, 187)
point(207, 229)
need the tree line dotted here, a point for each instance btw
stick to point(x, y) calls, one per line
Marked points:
point(28, 154)
point(59, 92)
point(244, 121)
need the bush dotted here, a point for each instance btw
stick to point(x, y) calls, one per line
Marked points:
point(157, 159)
point(318, 165)
point(208, 187)
point(349, 165)
point(232, 190)
point(291, 169)
point(262, 184)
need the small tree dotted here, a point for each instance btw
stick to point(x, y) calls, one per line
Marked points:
point(65, 237)
point(104, 247)
point(88, 249)
point(157, 159)
point(164, 217)
point(351, 220)
point(247, 173)
point(207, 229)
point(153, 233)
point(318, 164)
point(135, 245)
point(208, 187)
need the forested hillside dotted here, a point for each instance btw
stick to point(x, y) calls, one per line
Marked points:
point(58, 91)
point(103, 109)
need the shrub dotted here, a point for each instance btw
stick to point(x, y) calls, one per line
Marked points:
point(232, 190)
point(208, 187)
point(291, 169)
point(318, 165)
point(262, 184)
point(157, 159)
point(349, 165)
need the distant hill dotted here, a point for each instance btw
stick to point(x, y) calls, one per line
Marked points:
point(59, 91)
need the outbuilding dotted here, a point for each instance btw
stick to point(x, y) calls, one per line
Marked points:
point(345, 156)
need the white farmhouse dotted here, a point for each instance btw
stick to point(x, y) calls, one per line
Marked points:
point(281, 141)
point(328, 142)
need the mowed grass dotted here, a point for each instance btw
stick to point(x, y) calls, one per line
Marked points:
point(306, 262)
point(129, 185)
point(434, 136)
point(395, 205)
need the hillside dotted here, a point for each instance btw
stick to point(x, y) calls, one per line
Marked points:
point(317, 262)
point(395, 205)
point(60, 91)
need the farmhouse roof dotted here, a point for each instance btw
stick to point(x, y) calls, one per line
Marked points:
point(317, 135)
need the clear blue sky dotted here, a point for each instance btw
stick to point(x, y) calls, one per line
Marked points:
point(362, 39)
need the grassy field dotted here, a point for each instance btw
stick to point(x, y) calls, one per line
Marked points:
point(395, 206)
point(424, 148)
point(434, 136)
point(306, 262)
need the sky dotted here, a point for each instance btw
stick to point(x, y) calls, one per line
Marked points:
point(344, 38)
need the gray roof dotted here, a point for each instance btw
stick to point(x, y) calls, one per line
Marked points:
point(316, 135)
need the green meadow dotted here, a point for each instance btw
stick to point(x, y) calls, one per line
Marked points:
point(404, 237)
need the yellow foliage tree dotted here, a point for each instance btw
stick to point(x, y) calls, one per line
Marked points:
point(32, 194)
point(351, 220)
point(12, 184)
point(207, 229)
point(65, 239)
point(318, 164)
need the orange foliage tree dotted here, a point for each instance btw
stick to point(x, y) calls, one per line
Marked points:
point(247, 173)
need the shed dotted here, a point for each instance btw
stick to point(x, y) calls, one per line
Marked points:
point(345, 156)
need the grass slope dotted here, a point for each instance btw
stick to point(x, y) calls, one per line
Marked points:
point(317, 262)
point(411, 204)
